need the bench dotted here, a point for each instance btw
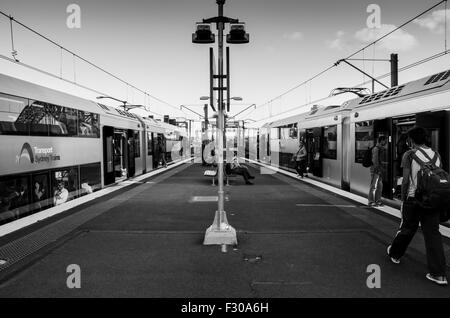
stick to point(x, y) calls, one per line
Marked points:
point(214, 173)
point(211, 173)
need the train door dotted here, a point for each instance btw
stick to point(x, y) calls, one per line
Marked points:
point(257, 146)
point(345, 157)
point(313, 142)
point(436, 125)
point(131, 143)
point(120, 143)
point(108, 155)
point(400, 126)
point(384, 128)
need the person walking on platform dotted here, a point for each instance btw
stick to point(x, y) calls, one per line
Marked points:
point(413, 212)
point(162, 153)
point(376, 173)
point(300, 160)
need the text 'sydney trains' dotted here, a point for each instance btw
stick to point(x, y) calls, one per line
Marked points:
point(57, 147)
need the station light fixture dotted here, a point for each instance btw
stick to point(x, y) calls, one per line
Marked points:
point(203, 34)
point(237, 34)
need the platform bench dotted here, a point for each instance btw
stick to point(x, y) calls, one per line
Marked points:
point(211, 173)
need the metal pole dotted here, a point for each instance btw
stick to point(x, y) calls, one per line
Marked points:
point(394, 70)
point(220, 119)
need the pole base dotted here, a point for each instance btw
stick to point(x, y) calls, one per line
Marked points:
point(224, 234)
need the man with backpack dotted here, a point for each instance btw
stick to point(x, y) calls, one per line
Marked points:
point(376, 173)
point(424, 193)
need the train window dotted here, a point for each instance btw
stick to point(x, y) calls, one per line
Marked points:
point(364, 139)
point(38, 117)
point(10, 111)
point(62, 120)
point(329, 150)
point(40, 187)
point(64, 185)
point(137, 144)
point(88, 124)
point(149, 143)
point(14, 198)
point(90, 178)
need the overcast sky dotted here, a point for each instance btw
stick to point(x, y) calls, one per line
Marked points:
point(148, 43)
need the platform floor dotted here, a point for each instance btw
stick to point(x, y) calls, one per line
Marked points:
point(294, 240)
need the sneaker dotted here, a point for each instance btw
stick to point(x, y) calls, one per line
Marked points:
point(393, 260)
point(440, 280)
point(372, 205)
point(379, 204)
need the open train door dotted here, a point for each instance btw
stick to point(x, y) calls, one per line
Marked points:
point(436, 123)
point(131, 153)
point(383, 127)
point(108, 155)
point(313, 143)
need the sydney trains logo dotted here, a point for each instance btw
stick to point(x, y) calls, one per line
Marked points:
point(36, 155)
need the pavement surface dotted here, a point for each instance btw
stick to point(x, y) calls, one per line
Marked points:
point(294, 241)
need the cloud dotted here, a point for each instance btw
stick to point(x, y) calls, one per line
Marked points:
point(400, 40)
point(338, 43)
point(293, 36)
point(435, 22)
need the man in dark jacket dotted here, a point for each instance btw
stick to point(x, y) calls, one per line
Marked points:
point(376, 173)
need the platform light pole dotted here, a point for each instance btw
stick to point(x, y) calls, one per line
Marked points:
point(220, 232)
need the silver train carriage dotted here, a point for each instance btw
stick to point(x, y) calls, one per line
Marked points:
point(337, 137)
point(57, 147)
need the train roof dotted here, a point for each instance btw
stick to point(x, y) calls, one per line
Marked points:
point(17, 87)
point(168, 127)
point(117, 112)
point(20, 88)
point(426, 85)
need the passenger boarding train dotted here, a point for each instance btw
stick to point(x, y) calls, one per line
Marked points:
point(337, 136)
point(56, 147)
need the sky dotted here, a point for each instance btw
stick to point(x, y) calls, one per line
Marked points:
point(148, 44)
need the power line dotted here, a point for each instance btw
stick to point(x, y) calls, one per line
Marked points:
point(398, 28)
point(83, 59)
point(407, 67)
point(355, 53)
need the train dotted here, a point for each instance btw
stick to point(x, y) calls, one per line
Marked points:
point(56, 147)
point(337, 136)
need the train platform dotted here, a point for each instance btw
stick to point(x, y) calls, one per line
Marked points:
point(295, 240)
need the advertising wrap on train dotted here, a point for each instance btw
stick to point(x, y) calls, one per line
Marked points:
point(25, 153)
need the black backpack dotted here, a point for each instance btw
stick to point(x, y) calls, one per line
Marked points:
point(433, 185)
point(367, 159)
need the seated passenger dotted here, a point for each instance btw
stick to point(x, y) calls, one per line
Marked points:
point(61, 195)
point(236, 168)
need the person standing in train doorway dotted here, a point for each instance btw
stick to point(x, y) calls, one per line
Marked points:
point(162, 153)
point(376, 173)
point(413, 213)
point(300, 159)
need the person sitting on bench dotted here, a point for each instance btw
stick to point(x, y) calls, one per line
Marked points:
point(236, 168)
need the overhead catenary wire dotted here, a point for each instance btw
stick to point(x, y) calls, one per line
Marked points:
point(359, 51)
point(405, 68)
point(12, 19)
